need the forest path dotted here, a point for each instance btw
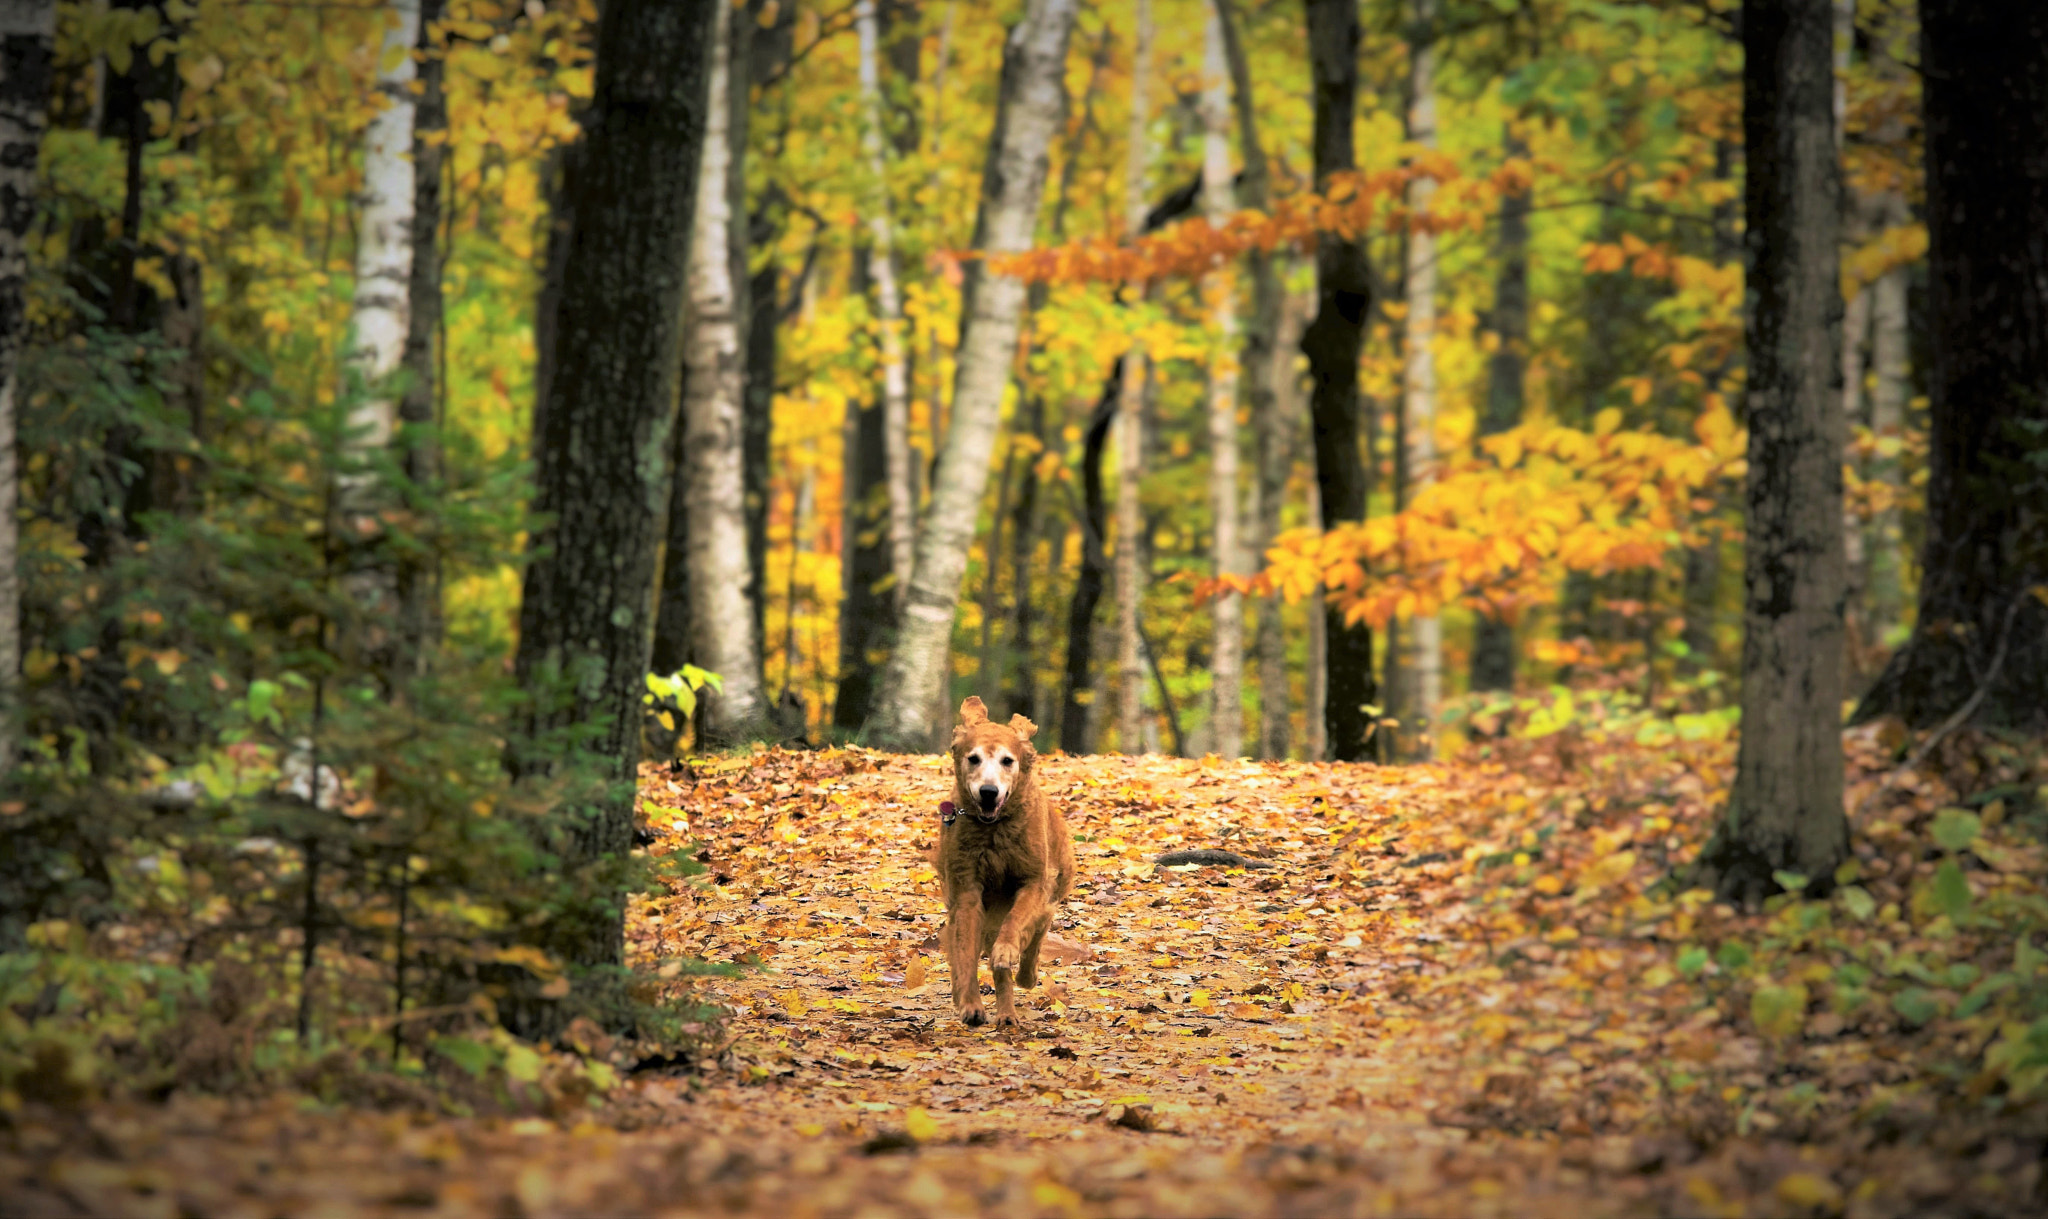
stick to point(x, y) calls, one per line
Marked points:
point(1454, 993)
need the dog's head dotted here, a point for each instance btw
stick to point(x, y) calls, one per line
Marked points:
point(990, 760)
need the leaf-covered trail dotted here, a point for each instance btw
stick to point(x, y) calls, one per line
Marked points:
point(1453, 992)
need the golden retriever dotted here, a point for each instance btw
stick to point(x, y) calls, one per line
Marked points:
point(1004, 861)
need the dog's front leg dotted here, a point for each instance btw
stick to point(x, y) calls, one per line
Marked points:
point(1026, 921)
point(963, 955)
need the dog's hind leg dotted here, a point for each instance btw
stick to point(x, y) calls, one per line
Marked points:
point(1027, 961)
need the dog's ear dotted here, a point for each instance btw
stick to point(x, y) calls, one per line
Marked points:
point(973, 712)
point(1022, 727)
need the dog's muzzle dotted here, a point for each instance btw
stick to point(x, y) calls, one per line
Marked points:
point(991, 803)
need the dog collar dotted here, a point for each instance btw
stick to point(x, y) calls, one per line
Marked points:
point(947, 813)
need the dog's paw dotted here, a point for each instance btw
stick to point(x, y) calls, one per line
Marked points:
point(1008, 1020)
point(1004, 956)
point(973, 1017)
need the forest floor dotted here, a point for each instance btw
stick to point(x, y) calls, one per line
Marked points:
point(1457, 990)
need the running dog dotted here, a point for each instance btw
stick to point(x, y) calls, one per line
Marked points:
point(1004, 860)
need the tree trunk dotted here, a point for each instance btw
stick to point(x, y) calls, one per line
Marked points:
point(602, 473)
point(724, 631)
point(1332, 344)
point(1272, 426)
point(1226, 717)
point(1077, 713)
point(1493, 642)
point(1315, 695)
point(1130, 424)
point(765, 51)
point(384, 245)
point(1885, 551)
point(1030, 109)
point(1785, 809)
point(1984, 67)
point(867, 610)
point(1425, 652)
point(378, 332)
point(27, 45)
point(419, 580)
point(888, 307)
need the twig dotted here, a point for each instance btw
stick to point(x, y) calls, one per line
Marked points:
point(1962, 714)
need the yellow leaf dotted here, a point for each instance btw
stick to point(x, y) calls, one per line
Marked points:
point(914, 976)
point(1809, 1190)
point(920, 1124)
point(793, 1003)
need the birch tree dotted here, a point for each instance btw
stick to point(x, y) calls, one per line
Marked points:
point(384, 238)
point(1784, 812)
point(1130, 418)
point(1274, 423)
point(723, 629)
point(1226, 720)
point(1030, 109)
point(889, 304)
point(1418, 386)
point(27, 42)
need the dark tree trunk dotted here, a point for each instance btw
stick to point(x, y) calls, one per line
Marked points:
point(1332, 344)
point(419, 579)
point(584, 634)
point(1785, 810)
point(27, 45)
point(867, 611)
point(1077, 712)
point(1493, 643)
point(671, 650)
point(1022, 693)
point(1985, 105)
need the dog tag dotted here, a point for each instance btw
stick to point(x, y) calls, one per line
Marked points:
point(946, 812)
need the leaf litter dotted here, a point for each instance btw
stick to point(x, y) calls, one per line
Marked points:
point(1461, 989)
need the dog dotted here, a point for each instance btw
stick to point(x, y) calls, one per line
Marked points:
point(1005, 861)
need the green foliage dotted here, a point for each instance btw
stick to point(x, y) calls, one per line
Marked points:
point(260, 837)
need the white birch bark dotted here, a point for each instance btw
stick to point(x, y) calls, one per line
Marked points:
point(27, 39)
point(1227, 659)
point(889, 307)
point(1886, 554)
point(1130, 419)
point(384, 238)
point(1030, 111)
point(722, 622)
point(1419, 379)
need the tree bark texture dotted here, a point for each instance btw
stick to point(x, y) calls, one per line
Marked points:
point(384, 236)
point(27, 44)
point(867, 610)
point(1332, 344)
point(1493, 642)
point(1785, 809)
point(723, 630)
point(602, 447)
point(888, 306)
point(1272, 426)
point(1984, 66)
point(1226, 717)
point(1130, 422)
point(1078, 713)
point(1885, 550)
point(1425, 652)
point(419, 580)
point(1030, 109)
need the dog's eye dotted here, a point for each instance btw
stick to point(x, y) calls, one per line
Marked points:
point(974, 759)
point(1009, 761)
